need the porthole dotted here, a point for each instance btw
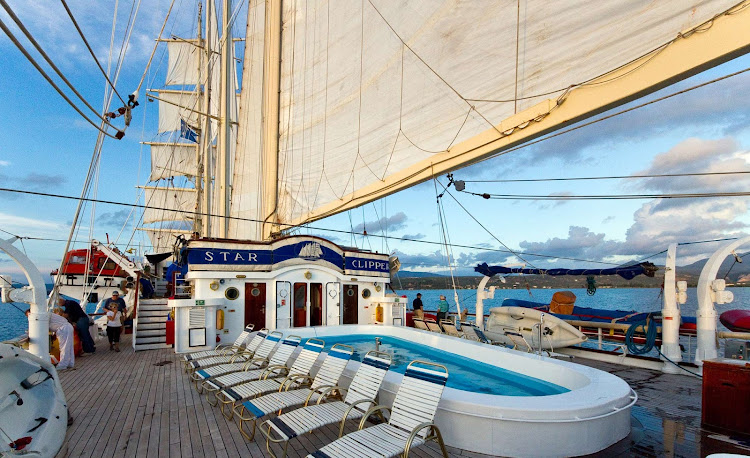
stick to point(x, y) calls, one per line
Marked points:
point(350, 292)
point(255, 292)
point(366, 293)
point(232, 293)
point(214, 285)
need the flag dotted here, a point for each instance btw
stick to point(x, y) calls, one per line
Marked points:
point(188, 132)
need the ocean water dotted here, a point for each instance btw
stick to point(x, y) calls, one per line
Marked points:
point(13, 322)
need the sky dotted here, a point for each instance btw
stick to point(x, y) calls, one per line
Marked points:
point(46, 147)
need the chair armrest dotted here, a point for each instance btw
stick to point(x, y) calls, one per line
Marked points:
point(329, 390)
point(415, 432)
point(319, 389)
point(242, 353)
point(293, 379)
point(273, 369)
point(378, 408)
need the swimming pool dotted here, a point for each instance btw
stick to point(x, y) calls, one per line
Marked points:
point(464, 374)
point(591, 413)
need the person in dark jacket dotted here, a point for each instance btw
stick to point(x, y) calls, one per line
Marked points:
point(78, 317)
point(418, 307)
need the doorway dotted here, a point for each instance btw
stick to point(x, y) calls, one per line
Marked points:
point(299, 314)
point(316, 304)
point(255, 305)
point(351, 308)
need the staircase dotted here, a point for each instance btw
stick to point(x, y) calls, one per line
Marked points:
point(149, 331)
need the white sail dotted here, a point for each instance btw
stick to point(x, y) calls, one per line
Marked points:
point(184, 58)
point(173, 159)
point(162, 240)
point(247, 185)
point(175, 106)
point(169, 204)
point(375, 92)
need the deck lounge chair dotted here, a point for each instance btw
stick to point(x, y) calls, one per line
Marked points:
point(301, 367)
point(238, 356)
point(259, 360)
point(253, 407)
point(276, 367)
point(450, 328)
point(419, 324)
point(359, 397)
point(433, 326)
point(472, 332)
point(410, 424)
point(238, 344)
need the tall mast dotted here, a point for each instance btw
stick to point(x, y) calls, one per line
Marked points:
point(205, 138)
point(270, 130)
point(198, 226)
point(225, 126)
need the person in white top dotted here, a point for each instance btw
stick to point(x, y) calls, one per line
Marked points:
point(114, 324)
point(64, 332)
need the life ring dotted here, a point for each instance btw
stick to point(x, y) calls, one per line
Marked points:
point(220, 319)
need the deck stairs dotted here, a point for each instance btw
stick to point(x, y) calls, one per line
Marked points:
point(149, 329)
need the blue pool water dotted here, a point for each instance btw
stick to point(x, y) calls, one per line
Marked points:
point(463, 373)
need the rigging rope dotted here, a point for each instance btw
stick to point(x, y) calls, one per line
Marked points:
point(446, 241)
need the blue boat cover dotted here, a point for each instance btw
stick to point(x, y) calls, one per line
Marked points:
point(627, 272)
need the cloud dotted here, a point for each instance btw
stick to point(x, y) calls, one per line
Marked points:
point(40, 181)
point(116, 219)
point(418, 236)
point(4, 163)
point(384, 224)
point(608, 219)
point(31, 227)
point(546, 204)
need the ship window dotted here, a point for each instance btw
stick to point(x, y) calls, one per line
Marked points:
point(77, 260)
point(232, 293)
point(106, 264)
point(365, 293)
point(350, 292)
point(255, 292)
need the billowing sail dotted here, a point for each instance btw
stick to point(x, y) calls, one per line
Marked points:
point(169, 204)
point(173, 159)
point(162, 240)
point(184, 61)
point(378, 95)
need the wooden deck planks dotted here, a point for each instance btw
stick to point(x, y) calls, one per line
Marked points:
point(143, 404)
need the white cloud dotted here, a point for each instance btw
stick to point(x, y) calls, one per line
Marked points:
point(390, 223)
point(4, 163)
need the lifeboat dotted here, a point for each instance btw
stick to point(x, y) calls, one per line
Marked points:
point(736, 320)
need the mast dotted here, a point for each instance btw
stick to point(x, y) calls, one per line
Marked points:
point(270, 129)
point(205, 139)
point(198, 222)
point(225, 126)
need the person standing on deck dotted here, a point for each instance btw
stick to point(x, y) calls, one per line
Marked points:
point(114, 325)
point(418, 307)
point(64, 333)
point(442, 310)
point(78, 317)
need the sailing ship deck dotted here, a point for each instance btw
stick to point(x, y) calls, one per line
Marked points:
point(141, 404)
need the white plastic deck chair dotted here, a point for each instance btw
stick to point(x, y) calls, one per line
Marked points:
point(293, 393)
point(276, 366)
point(270, 382)
point(467, 329)
point(238, 356)
point(433, 326)
point(410, 424)
point(419, 324)
point(359, 397)
point(238, 344)
point(450, 328)
point(258, 361)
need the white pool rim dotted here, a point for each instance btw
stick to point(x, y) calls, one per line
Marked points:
point(593, 415)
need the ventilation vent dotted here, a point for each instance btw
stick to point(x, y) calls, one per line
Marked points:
point(197, 317)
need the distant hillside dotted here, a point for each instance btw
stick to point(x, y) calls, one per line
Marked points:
point(411, 274)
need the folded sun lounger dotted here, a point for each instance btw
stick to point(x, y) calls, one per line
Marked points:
point(239, 344)
point(239, 356)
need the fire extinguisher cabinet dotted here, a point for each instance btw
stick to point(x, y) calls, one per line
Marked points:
point(170, 332)
point(726, 395)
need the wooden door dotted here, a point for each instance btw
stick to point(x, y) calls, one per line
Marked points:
point(255, 305)
point(299, 314)
point(351, 307)
point(316, 304)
